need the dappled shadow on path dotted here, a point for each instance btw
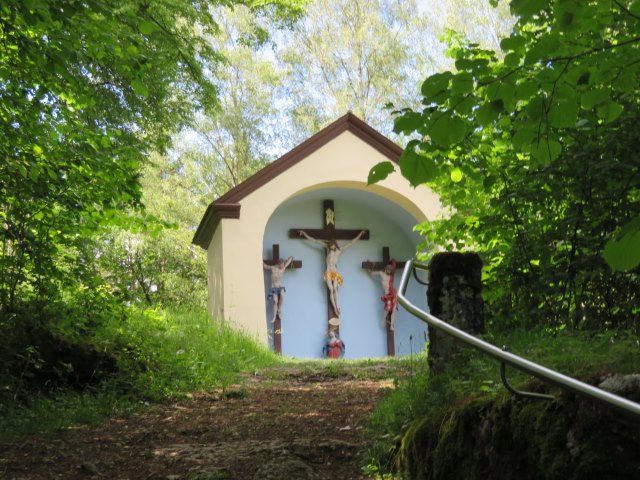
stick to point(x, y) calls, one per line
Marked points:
point(287, 423)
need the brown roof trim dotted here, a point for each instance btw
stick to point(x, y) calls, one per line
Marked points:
point(227, 206)
point(211, 219)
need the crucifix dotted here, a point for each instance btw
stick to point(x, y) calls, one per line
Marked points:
point(386, 271)
point(327, 237)
point(277, 267)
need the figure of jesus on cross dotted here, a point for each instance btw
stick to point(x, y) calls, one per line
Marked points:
point(331, 276)
point(327, 238)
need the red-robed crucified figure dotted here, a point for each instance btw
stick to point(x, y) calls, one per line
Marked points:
point(390, 297)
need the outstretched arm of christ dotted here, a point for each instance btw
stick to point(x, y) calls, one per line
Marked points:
point(288, 262)
point(351, 242)
point(304, 234)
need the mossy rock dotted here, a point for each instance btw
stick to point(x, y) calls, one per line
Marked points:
point(513, 438)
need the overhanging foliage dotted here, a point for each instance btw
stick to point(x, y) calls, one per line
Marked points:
point(87, 90)
point(537, 155)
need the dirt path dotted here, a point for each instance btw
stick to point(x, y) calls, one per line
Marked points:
point(292, 424)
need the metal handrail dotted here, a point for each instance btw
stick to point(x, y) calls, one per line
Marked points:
point(543, 373)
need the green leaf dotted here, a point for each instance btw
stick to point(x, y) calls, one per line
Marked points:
point(546, 152)
point(524, 137)
point(512, 59)
point(513, 43)
point(527, 8)
point(416, 168)
point(536, 108)
point(626, 81)
point(489, 112)
point(564, 114)
point(584, 78)
point(525, 89)
point(477, 66)
point(566, 19)
point(435, 84)
point(544, 48)
point(501, 91)
point(447, 130)
point(462, 83)
point(379, 172)
point(147, 28)
point(594, 97)
point(622, 251)
point(408, 123)
point(609, 111)
point(34, 173)
point(464, 106)
point(139, 87)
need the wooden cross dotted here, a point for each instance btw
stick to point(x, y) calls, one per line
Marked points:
point(277, 325)
point(329, 232)
point(386, 260)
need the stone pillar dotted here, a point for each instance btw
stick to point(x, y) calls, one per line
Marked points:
point(454, 296)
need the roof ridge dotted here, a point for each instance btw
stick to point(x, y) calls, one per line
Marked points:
point(228, 204)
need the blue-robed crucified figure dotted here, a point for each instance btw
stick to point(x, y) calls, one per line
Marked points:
point(276, 293)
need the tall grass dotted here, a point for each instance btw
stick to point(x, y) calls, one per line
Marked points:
point(185, 351)
point(161, 354)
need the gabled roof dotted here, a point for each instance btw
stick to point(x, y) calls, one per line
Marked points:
point(228, 205)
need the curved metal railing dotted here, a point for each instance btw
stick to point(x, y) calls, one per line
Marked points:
point(551, 376)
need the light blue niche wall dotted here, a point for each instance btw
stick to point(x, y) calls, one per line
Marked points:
point(304, 313)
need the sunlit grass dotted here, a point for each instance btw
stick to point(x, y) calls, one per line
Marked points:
point(193, 352)
point(161, 354)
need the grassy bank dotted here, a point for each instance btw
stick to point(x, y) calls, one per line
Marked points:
point(578, 354)
point(160, 354)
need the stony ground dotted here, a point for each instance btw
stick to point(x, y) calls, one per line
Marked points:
point(296, 423)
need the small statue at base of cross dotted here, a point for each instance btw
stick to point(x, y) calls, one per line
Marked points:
point(334, 347)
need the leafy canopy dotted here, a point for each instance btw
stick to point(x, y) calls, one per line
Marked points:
point(87, 90)
point(535, 152)
point(570, 69)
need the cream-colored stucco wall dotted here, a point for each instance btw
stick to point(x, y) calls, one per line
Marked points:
point(344, 161)
point(215, 268)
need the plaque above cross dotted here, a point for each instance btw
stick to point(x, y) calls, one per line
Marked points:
point(330, 233)
point(277, 322)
